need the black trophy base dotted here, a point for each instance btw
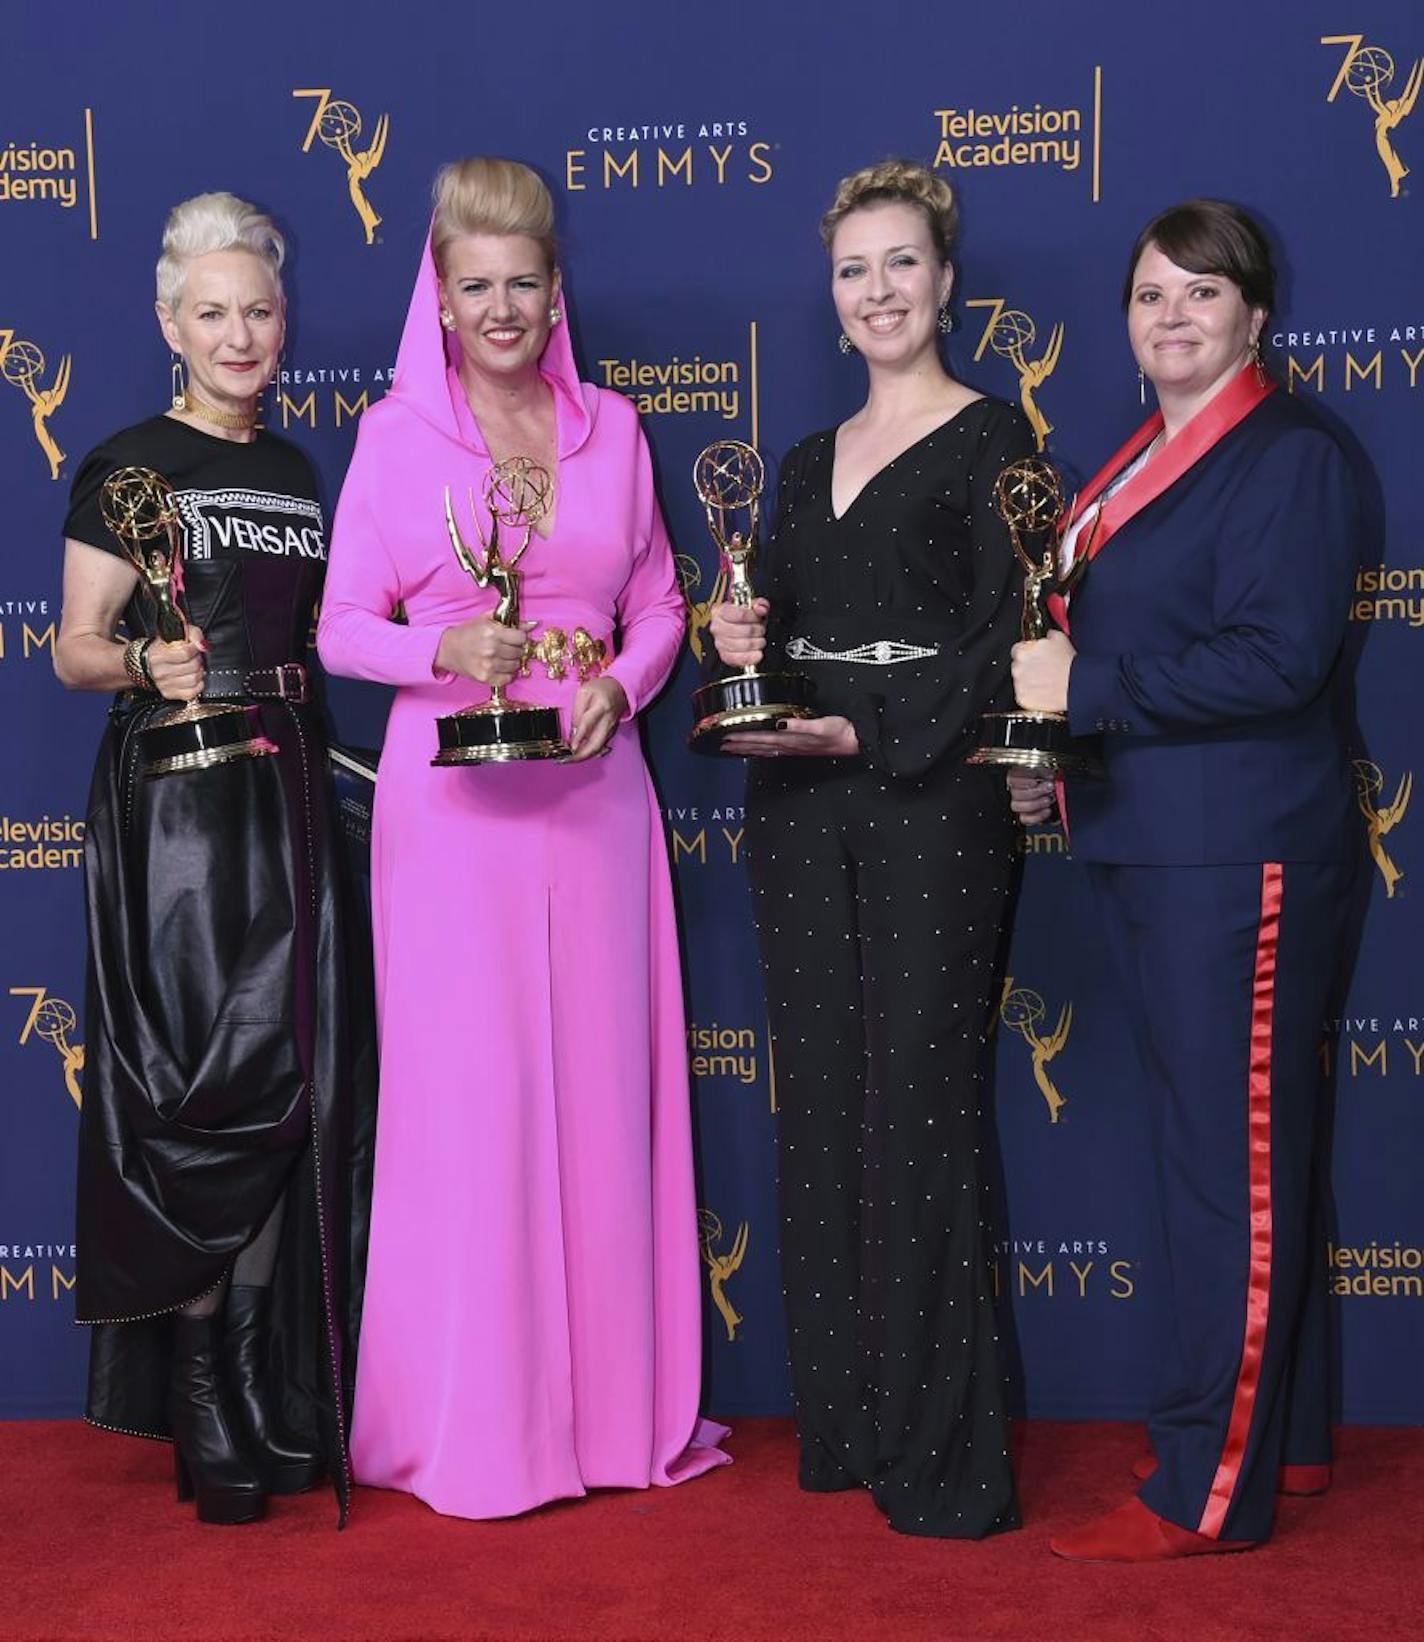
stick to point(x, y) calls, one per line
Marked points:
point(200, 736)
point(505, 732)
point(747, 701)
point(1035, 741)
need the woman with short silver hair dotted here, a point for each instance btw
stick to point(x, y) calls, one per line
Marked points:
point(224, 1053)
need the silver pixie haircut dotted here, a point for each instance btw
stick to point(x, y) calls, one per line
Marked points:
point(215, 222)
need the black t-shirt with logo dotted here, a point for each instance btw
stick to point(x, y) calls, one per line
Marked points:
point(254, 543)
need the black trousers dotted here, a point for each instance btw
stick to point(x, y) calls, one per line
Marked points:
point(879, 907)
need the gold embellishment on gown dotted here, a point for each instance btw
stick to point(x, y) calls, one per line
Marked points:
point(555, 650)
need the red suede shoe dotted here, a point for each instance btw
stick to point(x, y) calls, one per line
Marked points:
point(1132, 1533)
point(1299, 1481)
point(1302, 1479)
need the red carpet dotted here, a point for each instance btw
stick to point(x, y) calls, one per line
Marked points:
point(92, 1546)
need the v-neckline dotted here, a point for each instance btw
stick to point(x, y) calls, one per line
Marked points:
point(899, 456)
point(468, 425)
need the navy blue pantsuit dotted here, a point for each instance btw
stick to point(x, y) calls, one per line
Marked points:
point(1208, 633)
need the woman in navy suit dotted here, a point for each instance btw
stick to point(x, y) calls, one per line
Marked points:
point(1205, 650)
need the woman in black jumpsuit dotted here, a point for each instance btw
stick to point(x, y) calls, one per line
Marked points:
point(881, 867)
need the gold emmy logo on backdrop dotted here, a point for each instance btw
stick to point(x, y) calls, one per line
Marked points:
point(1021, 1011)
point(721, 1266)
point(699, 611)
point(1369, 783)
point(1010, 332)
point(1367, 72)
point(22, 364)
point(338, 124)
point(52, 1019)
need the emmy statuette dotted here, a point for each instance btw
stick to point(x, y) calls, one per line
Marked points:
point(729, 479)
point(138, 507)
point(517, 493)
point(1029, 498)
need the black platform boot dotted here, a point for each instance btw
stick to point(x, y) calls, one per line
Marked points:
point(286, 1464)
point(207, 1461)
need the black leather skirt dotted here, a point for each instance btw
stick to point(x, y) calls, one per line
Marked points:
point(229, 1061)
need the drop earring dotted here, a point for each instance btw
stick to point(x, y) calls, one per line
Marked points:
point(1141, 387)
point(447, 319)
point(555, 315)
point(946, 319)
point(1260, 364)
point(179, 385)
point(845, 344)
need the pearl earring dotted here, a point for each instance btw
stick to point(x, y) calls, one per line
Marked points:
point(555, 315)
point(447, 319)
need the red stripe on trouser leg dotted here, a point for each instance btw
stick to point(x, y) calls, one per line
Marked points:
point(1258, 1141)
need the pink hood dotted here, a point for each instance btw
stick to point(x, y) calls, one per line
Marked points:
point(426, 382)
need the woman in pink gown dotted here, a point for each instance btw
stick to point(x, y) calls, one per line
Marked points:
point(532, 1323)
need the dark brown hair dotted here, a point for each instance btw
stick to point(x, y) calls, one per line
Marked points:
point(1211, 237)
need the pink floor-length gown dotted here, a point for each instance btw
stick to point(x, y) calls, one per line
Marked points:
point(532, 1321)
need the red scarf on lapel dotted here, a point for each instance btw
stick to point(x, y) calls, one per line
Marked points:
point(1229, 405)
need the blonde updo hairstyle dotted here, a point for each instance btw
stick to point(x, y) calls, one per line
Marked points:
point(208, 223)
point(484, 195)
point(896, 182)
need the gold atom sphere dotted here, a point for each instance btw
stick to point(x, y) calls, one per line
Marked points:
point(137, 504)
point(339, 123)
point(1369, 778)
point(1371, 69)
point(729, 474)
point(55, 1019)
point(1013, 331)
point(1021, 1008)
point(1029, 494)
point(22, 363)
point(518, 491)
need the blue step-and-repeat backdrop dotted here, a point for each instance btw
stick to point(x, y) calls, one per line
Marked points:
point(692, 149)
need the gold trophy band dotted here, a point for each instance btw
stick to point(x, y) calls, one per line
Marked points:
point(1028, 496)
point(729, 478)
point(138, 506)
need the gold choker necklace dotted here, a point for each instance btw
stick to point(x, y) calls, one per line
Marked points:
point(197, 406)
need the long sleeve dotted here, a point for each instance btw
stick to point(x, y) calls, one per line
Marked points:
point(938, 701)
point(356, 636)
point(1284, 565)
point(651, 611)
point(775, 579)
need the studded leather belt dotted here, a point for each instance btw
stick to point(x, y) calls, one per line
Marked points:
point(285, 682)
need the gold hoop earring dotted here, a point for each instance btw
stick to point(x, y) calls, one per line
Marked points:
point(179, 384)
point(845, 344)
